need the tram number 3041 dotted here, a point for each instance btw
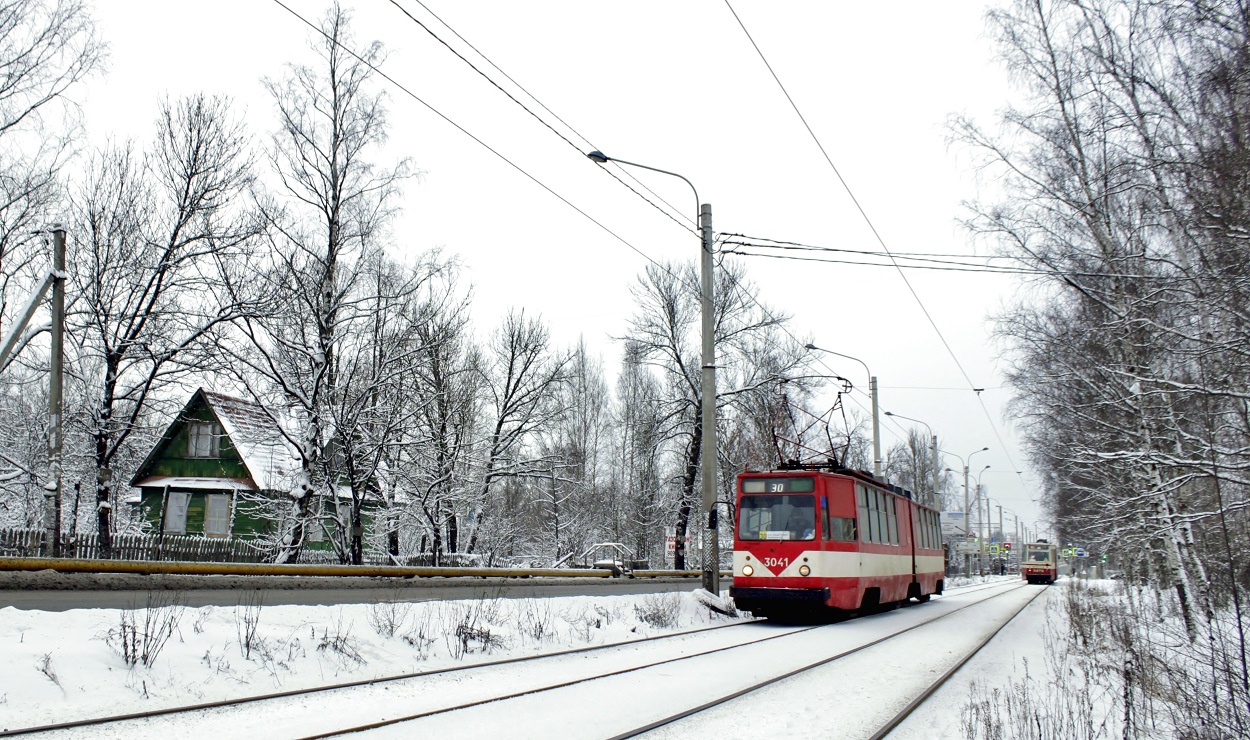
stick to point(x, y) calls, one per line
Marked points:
point(777, 562)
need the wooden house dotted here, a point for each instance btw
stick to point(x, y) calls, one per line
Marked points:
point(214, 469)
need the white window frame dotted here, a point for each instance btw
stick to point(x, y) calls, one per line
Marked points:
point(176, 504)
point(203, 440)
point(217, 514)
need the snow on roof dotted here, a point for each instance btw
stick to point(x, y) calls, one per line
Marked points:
point(256, 436)
point(175, 481)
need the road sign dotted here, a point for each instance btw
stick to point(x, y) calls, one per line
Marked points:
point(1080, 552)
point(670, 543)
point(994, 549)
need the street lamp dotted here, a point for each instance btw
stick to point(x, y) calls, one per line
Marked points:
point(711, 549)
point(965, 462)
point(933, 446)
point(876, 422)
point(982, 515)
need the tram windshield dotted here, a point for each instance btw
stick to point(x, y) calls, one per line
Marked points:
point(1038, 555)
point(781, 517)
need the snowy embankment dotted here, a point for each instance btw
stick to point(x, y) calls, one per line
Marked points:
point(61, 666)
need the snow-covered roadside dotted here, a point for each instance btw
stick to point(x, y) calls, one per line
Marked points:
point(60, 666)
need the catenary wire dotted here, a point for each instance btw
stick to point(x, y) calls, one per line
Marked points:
point(872, 227)
point(533, 178)
point(469, 134)
point(948, 267)
point(542, 105)
point(527, 109)
point(552, 129)
point(965, 260)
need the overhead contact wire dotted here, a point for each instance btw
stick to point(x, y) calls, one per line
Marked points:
point(872, 227)
point(526, 108)
point(469, 134)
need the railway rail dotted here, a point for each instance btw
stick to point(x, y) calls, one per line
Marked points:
point(919, 701)
point(192, 709)
point(888, 726)
point(181, 715)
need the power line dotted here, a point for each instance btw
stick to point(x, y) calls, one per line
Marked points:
point(526, 108)
point(956, 260)
point(949, 267)
point(467, 133)
point(871, 226)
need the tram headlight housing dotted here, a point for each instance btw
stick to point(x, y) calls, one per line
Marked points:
point(804, 570)
point(747, 570)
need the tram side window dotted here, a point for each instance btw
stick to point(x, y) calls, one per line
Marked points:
point(865, 520)
point(883, 519)
point(878, 516)
point(881, 534)
point(842, 529)
point(874, 517)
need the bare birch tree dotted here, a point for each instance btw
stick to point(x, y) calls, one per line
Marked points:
point(327, 221)
point(154, 233)
point(665, 329)
point(47, 47)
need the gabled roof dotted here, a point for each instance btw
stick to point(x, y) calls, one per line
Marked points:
point(254, 433)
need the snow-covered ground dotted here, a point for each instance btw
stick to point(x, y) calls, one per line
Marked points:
point(68, 665)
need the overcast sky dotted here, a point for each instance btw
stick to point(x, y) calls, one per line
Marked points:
point(678, 86)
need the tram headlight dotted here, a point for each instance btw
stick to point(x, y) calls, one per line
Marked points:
point(804, 570)
point(747, 570)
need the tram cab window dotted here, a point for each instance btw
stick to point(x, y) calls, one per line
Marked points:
point(777, 517)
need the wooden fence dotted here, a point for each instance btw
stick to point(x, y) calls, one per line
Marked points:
point(31, 543)
point(184, 548)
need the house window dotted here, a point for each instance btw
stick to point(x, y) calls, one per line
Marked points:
point(217, 514)
point(176, 512)
point(203, 439)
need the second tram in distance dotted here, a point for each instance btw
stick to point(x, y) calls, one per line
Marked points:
point(814, 539)
point(1040, 562)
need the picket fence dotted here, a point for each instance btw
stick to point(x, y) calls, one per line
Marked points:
point(35, 543)
point(182, 548)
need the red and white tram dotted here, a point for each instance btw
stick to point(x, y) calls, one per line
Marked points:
point(814, 539)
point(1040, 562)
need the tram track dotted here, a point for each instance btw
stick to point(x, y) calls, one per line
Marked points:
point(189, 712)
point(191, 709)
point(648, 727)
point(916, 703)
point(826, 661)
point(393, 722)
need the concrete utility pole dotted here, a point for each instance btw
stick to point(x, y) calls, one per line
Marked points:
point(967, 523)
point(935, 502)
point(876, 430)
point(55, 279)
point(56, 385)
point(711, 547)
point(966, 462)
point(707, 388)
